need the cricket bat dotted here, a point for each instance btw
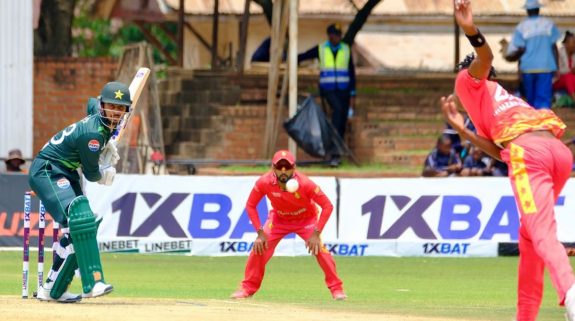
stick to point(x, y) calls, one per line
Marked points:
point(136, 88)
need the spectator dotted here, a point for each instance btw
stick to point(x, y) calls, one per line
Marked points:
point(474, 165)
point(498, 168)
point(336, 78)
point(443, 160)
point(536, 37)
point(15, 161)
point(462, 148)
point(511, 53)
point(566, 80)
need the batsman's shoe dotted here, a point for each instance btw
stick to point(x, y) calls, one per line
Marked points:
point(66, 297)
point(338, 295)
point(99, 289)
point(240, 294)
point(570, 304)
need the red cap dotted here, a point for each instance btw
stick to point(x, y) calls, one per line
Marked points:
point(283, 154)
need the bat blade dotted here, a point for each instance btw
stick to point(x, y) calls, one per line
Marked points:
point(136, 88)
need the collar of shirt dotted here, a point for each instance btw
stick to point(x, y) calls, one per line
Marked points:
point(333, 47)
point(274, 179)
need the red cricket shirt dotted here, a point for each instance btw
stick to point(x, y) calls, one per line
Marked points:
point(498, 115)
point(288, 206)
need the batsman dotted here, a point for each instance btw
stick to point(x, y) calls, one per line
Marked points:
point(55, 179)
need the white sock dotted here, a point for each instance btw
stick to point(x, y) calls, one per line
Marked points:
point(570, 296)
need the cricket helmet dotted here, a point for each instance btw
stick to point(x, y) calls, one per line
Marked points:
point(116, 93)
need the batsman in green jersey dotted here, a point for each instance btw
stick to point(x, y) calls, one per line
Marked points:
point(55, 179)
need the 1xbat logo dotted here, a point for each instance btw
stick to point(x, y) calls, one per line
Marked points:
point(458, 219)
point(208, 216)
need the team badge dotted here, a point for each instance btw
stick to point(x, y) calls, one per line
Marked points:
point(119, 94)
point(94, 145)
point(63, 183)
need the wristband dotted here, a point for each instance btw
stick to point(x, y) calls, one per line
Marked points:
point(476, 40)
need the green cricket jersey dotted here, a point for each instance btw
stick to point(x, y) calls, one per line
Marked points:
point(80, 144)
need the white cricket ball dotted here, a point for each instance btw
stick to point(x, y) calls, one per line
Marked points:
point(292, 185)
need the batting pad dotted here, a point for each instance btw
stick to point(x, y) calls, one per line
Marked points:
point(64, 277)
point(83, 229)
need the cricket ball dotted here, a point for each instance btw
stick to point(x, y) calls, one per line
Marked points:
point(292, 185)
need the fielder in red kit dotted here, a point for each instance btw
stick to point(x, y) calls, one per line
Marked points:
point(292, 212)
point(539, 166)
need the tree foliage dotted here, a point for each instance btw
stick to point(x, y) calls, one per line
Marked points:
point(53, 37)
point(67, 29)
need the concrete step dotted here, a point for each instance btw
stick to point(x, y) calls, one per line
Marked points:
point(407, 115)
point(207, 83)
point(399, 158)
point(368, 129)
point(399, 143)
point(186, 150)
point(188, 110)
point(225, 97)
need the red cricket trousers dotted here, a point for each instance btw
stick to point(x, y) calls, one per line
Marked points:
point(276, 229)
point(539, 167)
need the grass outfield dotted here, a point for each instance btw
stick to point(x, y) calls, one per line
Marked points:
point(470, 288)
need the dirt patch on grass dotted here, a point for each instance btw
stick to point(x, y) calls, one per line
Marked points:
point(112, 309)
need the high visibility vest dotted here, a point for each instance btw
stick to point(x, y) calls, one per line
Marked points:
point(334, 72)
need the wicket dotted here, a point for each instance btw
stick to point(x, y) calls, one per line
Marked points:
point(26, 244)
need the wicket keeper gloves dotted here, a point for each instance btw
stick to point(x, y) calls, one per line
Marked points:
point(109, 156)
point(108, 173)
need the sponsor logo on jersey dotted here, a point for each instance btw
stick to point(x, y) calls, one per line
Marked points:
point(63, 183)
point(94, 145)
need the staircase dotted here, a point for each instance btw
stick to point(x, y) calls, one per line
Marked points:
point(221, 116)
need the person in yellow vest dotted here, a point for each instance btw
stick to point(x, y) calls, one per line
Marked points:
point(336, 78)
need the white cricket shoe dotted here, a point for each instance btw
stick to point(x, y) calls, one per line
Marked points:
point(570, 304)
point(99, 289)
point(67, 297)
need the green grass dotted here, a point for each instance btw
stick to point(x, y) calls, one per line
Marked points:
point(470, 288)
point(345, 168)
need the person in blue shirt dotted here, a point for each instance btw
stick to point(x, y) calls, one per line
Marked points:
point(462, 148)
point(442, 161)
point(473, 164)
point(336, 78)
point(536, 37)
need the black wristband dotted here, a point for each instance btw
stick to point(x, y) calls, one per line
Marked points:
point(476, 40)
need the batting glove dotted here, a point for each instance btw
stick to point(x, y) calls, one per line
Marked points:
point(108, 173)
point(109, 156)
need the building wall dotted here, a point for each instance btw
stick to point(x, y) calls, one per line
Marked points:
point(62, 87)
point(16, 59)
point(311, 32)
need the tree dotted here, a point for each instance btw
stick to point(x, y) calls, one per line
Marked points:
point(54, 34)
point(359, 20)
point(267, 7)
point(355, 26)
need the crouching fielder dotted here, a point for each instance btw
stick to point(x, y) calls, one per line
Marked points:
point(55, 180)
point(292, 212)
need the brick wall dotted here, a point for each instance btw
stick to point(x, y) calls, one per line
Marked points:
point(62, 87)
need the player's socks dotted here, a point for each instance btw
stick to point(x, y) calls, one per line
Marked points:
point(570, 303)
